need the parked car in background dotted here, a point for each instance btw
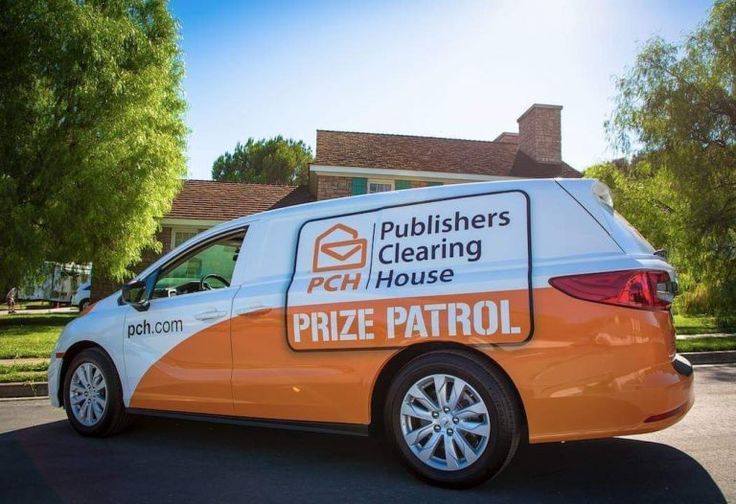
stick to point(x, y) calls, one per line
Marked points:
point(81, 297)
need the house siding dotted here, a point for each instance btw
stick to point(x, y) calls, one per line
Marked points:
point(333, 187)
point(329, 186)
point(423, 183)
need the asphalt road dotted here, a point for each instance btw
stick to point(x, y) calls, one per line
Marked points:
point(162, 460)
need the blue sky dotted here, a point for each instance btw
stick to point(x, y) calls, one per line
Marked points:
point(460, 69)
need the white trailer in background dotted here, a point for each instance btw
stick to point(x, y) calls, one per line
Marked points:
point(56, 282)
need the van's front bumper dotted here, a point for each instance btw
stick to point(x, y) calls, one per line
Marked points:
point(54, 376)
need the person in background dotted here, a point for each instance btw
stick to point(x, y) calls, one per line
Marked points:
point(10, 299)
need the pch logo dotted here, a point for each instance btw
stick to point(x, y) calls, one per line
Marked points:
point(339, 248)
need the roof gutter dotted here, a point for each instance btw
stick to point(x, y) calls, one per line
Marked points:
point(356, 171)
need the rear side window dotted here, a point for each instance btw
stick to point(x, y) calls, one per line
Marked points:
point(638, 238)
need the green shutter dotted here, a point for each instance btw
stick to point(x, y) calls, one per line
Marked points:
point(430, 184)
point(360, 186)
point(402, 184)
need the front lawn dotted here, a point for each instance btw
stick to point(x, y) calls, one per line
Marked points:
point(33, 373)
point(699, 324)
point(31, 335)
point(706, 344)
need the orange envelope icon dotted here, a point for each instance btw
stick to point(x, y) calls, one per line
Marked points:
point(339, 248)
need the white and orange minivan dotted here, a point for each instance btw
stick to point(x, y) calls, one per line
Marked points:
point(458, 320)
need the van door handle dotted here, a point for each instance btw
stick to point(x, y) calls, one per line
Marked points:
point(253, 310)
point(210, 314)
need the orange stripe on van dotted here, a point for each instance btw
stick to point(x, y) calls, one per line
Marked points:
point(194, 376)
point(591, 370)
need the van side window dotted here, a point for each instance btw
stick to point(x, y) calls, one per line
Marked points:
point(202, 268)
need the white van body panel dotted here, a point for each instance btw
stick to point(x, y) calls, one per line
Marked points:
point(105, 329)
point(622, 233)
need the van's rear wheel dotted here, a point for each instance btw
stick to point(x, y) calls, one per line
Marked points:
point(93, 397)
point(453, 419)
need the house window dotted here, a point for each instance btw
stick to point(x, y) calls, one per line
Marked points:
point(180, 235)
point(376, 186)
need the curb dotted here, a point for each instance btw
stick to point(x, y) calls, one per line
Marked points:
point(720, 357)
point(700, 336)
point(707, 335)
point(24, 390)
point(13, 390)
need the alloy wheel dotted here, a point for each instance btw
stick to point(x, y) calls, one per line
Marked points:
point(445, 422)
point(88, 394)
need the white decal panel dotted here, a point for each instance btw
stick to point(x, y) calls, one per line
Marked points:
point(385, 265)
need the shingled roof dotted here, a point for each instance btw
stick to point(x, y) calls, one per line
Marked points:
point(222, 201)
point(501, 157)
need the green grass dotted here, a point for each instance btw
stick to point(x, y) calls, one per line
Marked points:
point(706, 344)
point(31, 335)
point(29, 373)
point(699, 324)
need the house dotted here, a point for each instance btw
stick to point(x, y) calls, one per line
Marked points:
point(202, 204)
point(349, 163)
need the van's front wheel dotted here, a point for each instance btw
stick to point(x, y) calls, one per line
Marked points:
point(453, 419)
point(93, 397)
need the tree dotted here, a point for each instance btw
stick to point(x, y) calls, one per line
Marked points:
point(273, 161)
point(677, 108)
point(643, 196)
point(92, 135)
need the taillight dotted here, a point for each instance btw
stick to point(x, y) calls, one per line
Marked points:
point(647, 290)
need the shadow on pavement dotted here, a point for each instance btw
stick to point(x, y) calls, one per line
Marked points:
point(164, 460)
point(719, 372)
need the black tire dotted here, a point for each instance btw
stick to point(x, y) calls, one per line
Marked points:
point(84, 303)
point(114, 419)
point(504, 417)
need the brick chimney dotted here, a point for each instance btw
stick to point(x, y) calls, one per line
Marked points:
point(507, 137)
point(539, 133)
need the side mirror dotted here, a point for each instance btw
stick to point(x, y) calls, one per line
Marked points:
point(135, 294)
